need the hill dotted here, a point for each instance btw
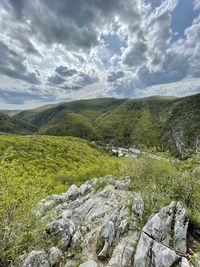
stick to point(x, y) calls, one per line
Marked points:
point(169, 117)
point(91, 108)
point(165, 122)
point(15, 126)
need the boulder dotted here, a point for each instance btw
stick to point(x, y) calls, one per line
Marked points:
point(159, 227)
point(152, 253)
point(106, 236)
point(160, 245)
point(55, 256)
point(180, 229)
point(138, 207)
point(85, 189)
point(62, 229)
point(137, 211)
point(121, 185)
point(122, 255)
point(73, 192)
point(36, 259)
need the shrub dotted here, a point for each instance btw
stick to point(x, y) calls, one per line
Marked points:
point(19, 192)
point(161, 181)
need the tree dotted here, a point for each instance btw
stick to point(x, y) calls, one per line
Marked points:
point(145, 131)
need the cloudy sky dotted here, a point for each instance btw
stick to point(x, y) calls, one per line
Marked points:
point(61, 50)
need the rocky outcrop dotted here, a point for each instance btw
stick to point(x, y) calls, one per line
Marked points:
point(102, 227)
point(161, 244)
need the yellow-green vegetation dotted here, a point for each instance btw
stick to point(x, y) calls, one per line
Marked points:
point(167, 123)
point(60, 161)
point(33, 167)
point(19, 192)
point(161, 181)
point(145, 131)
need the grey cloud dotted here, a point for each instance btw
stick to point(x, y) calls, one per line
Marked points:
point(113, 76)
point(175, 68)
point(75, 24)
point(65, 71)
point(72, 87)
point(79, 81)
point(12, 65)
point(135, 55)
point(84, 79)
point(55, 80)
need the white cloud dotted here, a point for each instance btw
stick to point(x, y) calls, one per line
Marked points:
point(103, 48)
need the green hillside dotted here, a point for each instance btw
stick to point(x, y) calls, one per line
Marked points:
point(71, 124)
point(91, 109)
point(57, 160)
point(15, 126)
point(156, 121)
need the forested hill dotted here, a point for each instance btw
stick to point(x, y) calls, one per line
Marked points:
point(154, 121)
point(15, 126)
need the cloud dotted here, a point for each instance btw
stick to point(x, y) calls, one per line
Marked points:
point(65, 71)
point(135, 54)
point(113, 76)
point(196, 4)
point(55, 80)
point(76, 24)
point(12, 96)
point(79, 81)
point(13, 65)
point(68, 49)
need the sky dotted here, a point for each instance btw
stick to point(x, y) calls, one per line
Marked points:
point(62, 50)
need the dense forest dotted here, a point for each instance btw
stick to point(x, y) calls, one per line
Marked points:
point(164, 123)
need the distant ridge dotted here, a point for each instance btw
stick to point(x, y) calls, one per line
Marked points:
point(115, 120)
point(15, 126)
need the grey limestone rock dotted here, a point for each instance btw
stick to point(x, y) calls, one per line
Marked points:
point(180, 229)
point(89, 263)
point(36, 259)
point(73, 192)
point(55, 256)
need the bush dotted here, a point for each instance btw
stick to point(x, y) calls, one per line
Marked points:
point(161, 181)
point(19, 192)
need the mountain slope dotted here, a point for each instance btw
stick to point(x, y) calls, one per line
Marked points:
point(91, 109)
point(170, 116)
point(71, 124)
point(119, 120)
point(15, 126)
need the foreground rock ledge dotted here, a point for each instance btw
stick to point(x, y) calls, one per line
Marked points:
point(101, 227)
